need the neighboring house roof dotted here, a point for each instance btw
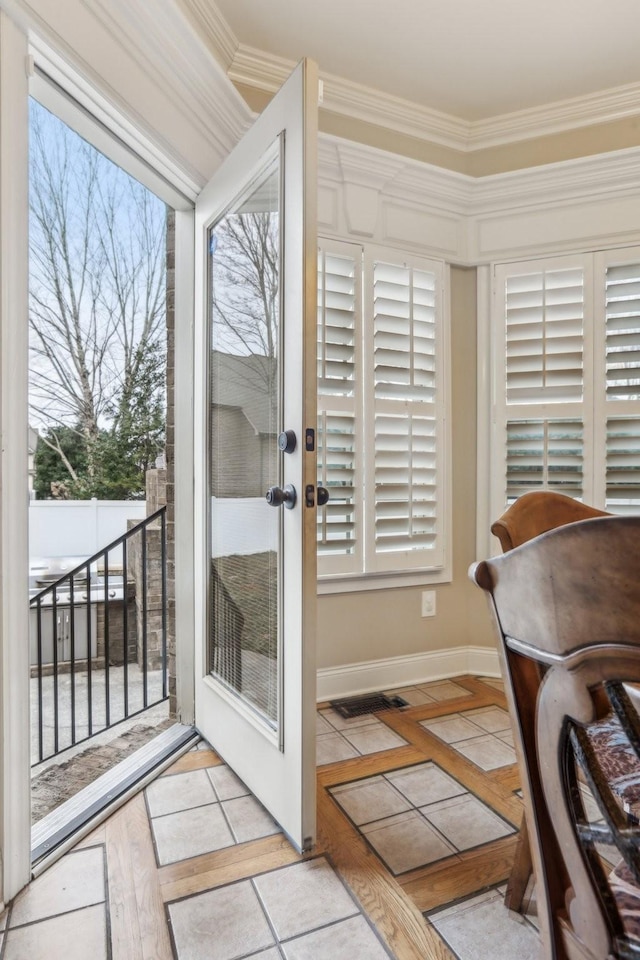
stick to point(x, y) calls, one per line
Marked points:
point(245, 382)
point(33, 440)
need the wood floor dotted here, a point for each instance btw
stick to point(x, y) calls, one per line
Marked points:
point(139, 889)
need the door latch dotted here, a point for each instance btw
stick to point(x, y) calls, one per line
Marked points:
point(309, 495)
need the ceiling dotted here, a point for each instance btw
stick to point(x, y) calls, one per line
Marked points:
point(469, 59)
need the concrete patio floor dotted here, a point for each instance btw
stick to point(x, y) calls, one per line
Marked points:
point(58, 778)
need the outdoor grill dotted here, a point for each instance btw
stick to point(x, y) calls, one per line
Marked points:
point(79, 620)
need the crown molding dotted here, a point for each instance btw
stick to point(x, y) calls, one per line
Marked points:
point(582, 204)
point(131, 58)
point(563, 115)
point(268, 72)
point(176, 56)
point(582, 179)
point(585, 178)
point(209, 22)
point(342, 161)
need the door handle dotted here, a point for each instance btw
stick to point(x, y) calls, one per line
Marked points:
point(277, 497)
point(322, 495)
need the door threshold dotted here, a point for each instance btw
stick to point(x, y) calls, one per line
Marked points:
point(59, 830)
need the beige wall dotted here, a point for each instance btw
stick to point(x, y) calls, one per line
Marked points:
point(386, 623)
point(585, 141)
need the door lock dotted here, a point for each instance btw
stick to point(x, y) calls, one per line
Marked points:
point(287, 441)
point(277, 497)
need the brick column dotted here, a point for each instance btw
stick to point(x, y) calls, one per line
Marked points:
point(160, 492)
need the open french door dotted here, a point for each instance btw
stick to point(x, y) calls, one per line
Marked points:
point(256, 240)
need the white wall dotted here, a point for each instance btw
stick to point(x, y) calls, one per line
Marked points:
point(61, 528)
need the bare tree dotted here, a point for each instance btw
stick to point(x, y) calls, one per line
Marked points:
point(245, 283)
point(97, 286)
point(245, 306)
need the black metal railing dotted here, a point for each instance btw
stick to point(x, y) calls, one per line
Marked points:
point(98, 641)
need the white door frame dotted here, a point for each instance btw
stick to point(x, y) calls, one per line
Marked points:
point(15, 740)
point(15, 750)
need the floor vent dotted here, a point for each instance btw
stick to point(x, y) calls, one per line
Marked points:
point(368, 703)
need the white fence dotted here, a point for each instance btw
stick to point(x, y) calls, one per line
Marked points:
point(78, 528)
point(243, 526)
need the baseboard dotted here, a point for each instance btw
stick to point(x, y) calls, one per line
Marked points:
point(353, 678)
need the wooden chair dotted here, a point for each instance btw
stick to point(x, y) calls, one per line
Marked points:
point(529, 516)
point(566, 606)
point(535, 513)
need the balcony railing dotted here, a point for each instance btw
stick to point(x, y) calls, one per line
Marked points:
point(98, 641)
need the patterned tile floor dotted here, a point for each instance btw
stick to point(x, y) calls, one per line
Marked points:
point(418, 815)
point(410, 802)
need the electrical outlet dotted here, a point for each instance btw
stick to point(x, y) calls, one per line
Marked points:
point(428, 603)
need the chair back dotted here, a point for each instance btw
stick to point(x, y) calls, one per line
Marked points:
point(535, 513)
point(566, 606)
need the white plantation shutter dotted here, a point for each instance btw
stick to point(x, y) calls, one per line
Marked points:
point(568, 386)
point(339, 407)
point(337, 460)
point(545, 454)
point(404, 332)
point(543, 376)
point(405, 483)
point(620, 410)
point(381, 412)
point(623, 465)
point(544, 335)
point(337, 301)
point(404, 415)
point(622, 322)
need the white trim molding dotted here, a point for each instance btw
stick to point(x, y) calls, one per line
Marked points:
point(574, 205)
point(354, 678)
point(15, 748)
point(153, 69)
point(267, 72)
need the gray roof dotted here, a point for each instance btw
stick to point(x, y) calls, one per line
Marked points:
point(33, 439)
point(245, 382)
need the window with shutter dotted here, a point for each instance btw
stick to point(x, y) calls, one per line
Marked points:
point(406, 410)
point(623, 465)
point(622, 321)
point(542, 377)
point(545, 454)
point(544, 318)
point(381, 412)
point(567, 380)
point(622, 382)
point(339, 410)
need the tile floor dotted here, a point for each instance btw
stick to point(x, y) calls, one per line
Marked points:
point(482, 736)
point(195, 868)
point(418, 815)
point(301, 912)
point(470, 929)
point(201, 811)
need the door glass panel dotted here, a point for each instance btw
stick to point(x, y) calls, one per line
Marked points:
point(244, 460)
